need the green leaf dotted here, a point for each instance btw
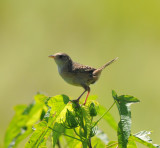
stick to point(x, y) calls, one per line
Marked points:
point(20, 136)
point(44, 128)
point(114, 94)
point(21, 124)
point(14, 129)
point(71, 142)
point(71, 120)
point(124, 98)
point(97, 143)
point(143, 138)
point(131, 144)
point(57, 103)
point(41, 98)
point(42, 114)
point(124, 130)
point(124, 126)
point(88, 120)
point(55, 135)
point(39, 136)
point(128, 99)
point(143, 135)
point(58, 129)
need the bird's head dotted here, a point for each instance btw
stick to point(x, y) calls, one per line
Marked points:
point(61, 58)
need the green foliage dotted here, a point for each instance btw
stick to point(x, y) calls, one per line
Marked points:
point(124, 126)
point(21, 125)
point(39, 136)
point(71, 119)
point(43, 129)
point(143, 138)
point(58, 130)
point(93, 108)
point(69, 124)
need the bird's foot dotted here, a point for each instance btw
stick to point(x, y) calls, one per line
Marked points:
point(84, 103)
point(76, 103)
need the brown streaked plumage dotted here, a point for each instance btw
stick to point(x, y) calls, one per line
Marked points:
point(77, 74)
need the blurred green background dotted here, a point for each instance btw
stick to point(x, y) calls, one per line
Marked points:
point(92, 33)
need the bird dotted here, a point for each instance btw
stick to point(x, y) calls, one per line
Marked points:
point(78, 74)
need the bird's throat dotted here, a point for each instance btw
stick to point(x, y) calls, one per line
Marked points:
point(63, 68)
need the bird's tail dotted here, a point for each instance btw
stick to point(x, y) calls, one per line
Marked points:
point(99, 70)
point(107, 64)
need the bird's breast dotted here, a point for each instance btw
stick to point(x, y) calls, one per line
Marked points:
point(70, 78)
point(67, 75)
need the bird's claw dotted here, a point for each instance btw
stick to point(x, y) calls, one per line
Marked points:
point(84, 103)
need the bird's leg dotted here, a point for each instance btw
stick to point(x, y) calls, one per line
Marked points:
point(87, 96)
point(77, 100)
point(81, 95)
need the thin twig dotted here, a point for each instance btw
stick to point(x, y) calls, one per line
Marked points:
point(90, 146)
point(104, 114)
point(58, 143)
point(112, 144)
point(76, 132)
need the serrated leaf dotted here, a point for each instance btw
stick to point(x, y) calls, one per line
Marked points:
point(123, 103)
point(127, 99)
point(21, 125)
point(39, 136)
point(143, 138)
point(41, 98)
point(44, 128)
point(87, 119)
point(143, 135)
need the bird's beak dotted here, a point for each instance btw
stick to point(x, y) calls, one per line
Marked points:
point(51, 56)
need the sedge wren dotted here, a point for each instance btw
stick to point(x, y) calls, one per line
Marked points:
point(78, 74)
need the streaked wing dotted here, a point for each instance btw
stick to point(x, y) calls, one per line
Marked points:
point(82, 68)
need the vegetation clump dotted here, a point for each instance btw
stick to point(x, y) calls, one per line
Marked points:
point(59, 121)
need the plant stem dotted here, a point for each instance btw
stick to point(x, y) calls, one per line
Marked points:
point(76, 132)
point(58, 143)
point(90, 146)
point(104, 114)
point(112, 144)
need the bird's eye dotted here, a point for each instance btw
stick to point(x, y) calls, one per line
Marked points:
point(60, 56)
